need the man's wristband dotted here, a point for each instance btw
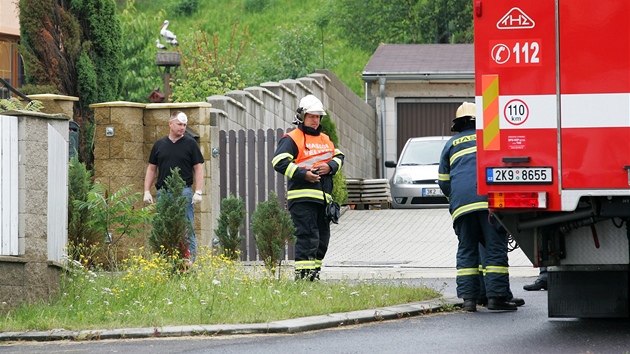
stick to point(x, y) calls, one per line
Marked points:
point(198, 192)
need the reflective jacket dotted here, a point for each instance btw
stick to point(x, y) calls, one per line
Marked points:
point(458, 174)
point(299, 151)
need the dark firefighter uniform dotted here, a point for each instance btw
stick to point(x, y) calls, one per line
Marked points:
point(299, 151)
point(471, 219)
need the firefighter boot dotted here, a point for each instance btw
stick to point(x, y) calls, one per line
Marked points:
point(537, 285)
point(470, 305)
point(301, 274)
point(501, 304)
point(314, 274)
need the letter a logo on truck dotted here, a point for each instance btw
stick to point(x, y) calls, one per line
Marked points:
point(515, 19)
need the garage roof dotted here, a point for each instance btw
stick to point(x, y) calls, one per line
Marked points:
point(421, 62)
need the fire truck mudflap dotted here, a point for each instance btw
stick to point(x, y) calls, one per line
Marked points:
point(552, 87)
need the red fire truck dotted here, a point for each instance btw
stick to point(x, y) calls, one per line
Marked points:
point(552, 87)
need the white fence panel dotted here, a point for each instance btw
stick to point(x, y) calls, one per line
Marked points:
point(57, 195)
point(8, 186)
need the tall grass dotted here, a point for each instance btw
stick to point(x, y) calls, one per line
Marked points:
point(264, 27)
point(150, 291)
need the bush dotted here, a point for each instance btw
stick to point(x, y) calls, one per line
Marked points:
point(169, 236)
point(273, 229)
point(111, 218)
point(230, 221)
point(185, 7)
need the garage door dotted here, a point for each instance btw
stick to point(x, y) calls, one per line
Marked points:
point(425, 117)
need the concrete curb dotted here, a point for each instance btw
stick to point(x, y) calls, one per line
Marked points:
point(284, 326)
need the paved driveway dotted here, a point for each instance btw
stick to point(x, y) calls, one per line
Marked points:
point(408, 243)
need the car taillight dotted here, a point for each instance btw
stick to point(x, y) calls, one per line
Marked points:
point(517, 200)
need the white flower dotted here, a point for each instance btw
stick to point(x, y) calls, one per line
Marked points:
point(276, 291)
point(354, 293)
point(303, 293)
point(182, 286)
point(216, 282)
point(106, 303)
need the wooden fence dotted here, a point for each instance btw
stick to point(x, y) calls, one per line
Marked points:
point(246, 172)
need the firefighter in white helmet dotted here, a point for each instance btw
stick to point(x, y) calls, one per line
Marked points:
point(309, 159)
point(469, 211)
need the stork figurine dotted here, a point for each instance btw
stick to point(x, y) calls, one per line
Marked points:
point(168, 36)
point(159, 45)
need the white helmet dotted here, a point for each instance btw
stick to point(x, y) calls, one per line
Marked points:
point(309, 104)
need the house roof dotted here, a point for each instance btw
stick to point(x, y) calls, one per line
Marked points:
point(421, 62)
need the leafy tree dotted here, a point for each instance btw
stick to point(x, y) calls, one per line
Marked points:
point(207, 69)
point(273, 229)
point(169, 235)
point(366, 24)
point(74, 46)
point(231, 220)
point(140, 75)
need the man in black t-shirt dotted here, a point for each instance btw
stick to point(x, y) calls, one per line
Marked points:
point(177, 150)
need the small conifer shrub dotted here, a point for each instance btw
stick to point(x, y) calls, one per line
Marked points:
point(230, 221)
point(169, 236)
point(273, 229)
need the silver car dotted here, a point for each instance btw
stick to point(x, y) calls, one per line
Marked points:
point(414, 183)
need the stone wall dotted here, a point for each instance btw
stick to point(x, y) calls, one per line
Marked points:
point(32, 274)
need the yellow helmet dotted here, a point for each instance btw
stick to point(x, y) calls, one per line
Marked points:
point(465, 114)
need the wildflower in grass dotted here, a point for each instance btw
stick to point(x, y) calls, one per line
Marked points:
point(354, 293)
point(303, 293)
point(216, 282)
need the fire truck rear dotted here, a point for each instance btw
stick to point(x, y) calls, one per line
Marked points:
point(553, 142)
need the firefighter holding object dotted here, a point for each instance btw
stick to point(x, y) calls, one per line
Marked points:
point(309, 159)
point(471, 220)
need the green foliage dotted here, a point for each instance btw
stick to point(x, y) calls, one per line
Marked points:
point(231, 220)
point(273, 229)
point(169, 236)
point(340, 189)
point(140, 75)
point(13, 104)
point(366, 24)
point(29, 89)
point(297, 54)
point(208, 69)
point(185, 7)
point(84, 241)
point(75, 47)
point(112, 217)
point(256, 6)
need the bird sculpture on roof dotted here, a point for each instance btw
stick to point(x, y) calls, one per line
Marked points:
point(159, 45)
point(168, 36)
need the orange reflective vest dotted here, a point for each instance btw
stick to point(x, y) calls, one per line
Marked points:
point(313, 150)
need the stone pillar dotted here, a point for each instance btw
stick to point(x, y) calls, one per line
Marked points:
point(118, 145)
